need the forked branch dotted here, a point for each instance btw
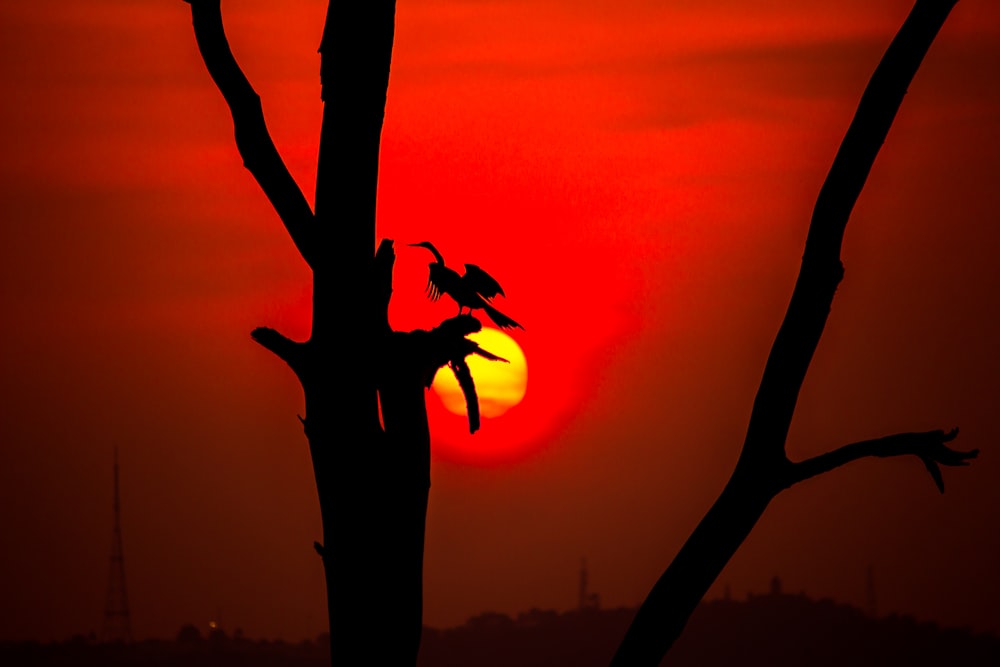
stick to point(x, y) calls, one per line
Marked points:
point(763, 469)
point(822, 271)
point(930, 447)
point(253, 140)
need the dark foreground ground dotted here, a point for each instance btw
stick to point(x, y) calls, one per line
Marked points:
point(774, 630)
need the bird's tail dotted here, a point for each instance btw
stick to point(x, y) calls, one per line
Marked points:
point(499, 318)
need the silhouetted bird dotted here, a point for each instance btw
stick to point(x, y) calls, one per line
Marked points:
point(474, 289)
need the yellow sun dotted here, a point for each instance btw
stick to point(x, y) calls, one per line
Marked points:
point(500, 385)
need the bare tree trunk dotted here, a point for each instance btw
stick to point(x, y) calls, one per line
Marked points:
point(372, 467)
point(763, 469)
point(372, 475)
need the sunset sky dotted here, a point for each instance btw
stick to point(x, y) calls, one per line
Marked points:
point(638, 175)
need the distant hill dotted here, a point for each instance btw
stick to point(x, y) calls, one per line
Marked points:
point(774, 630)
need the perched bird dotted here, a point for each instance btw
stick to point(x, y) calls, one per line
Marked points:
point(474, 289)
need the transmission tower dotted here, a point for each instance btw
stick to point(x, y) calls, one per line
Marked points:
point(117, 624)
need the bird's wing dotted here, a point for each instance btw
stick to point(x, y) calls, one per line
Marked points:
point(481, 282)
point(439, 280)
point(433, 291)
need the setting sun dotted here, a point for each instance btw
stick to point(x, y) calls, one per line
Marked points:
point(500, 385)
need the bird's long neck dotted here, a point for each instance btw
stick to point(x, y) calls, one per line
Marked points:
point(437, 255)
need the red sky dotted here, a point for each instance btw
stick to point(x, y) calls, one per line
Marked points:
point(639, 175)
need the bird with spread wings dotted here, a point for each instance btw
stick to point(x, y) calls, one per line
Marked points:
point(473, 289)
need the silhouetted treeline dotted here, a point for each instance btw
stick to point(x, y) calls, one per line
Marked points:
point(189, 649)
point(774, 630)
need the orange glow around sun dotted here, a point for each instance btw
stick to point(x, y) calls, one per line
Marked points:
point(499, 385)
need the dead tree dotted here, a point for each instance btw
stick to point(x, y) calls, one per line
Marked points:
point(372, 474)
point(364, 384)
point(763, 469)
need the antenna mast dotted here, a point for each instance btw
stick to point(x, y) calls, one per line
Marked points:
point(117, 624)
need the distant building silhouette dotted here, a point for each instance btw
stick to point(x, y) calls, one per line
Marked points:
point(588, 600)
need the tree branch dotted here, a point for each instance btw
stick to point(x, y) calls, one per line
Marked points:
point(288, 350)
point(928, 446)
point(822, 271)
point(821, 268)
point(762, 469)
point(464, 376)
point(254, 142)
point(445, 345)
